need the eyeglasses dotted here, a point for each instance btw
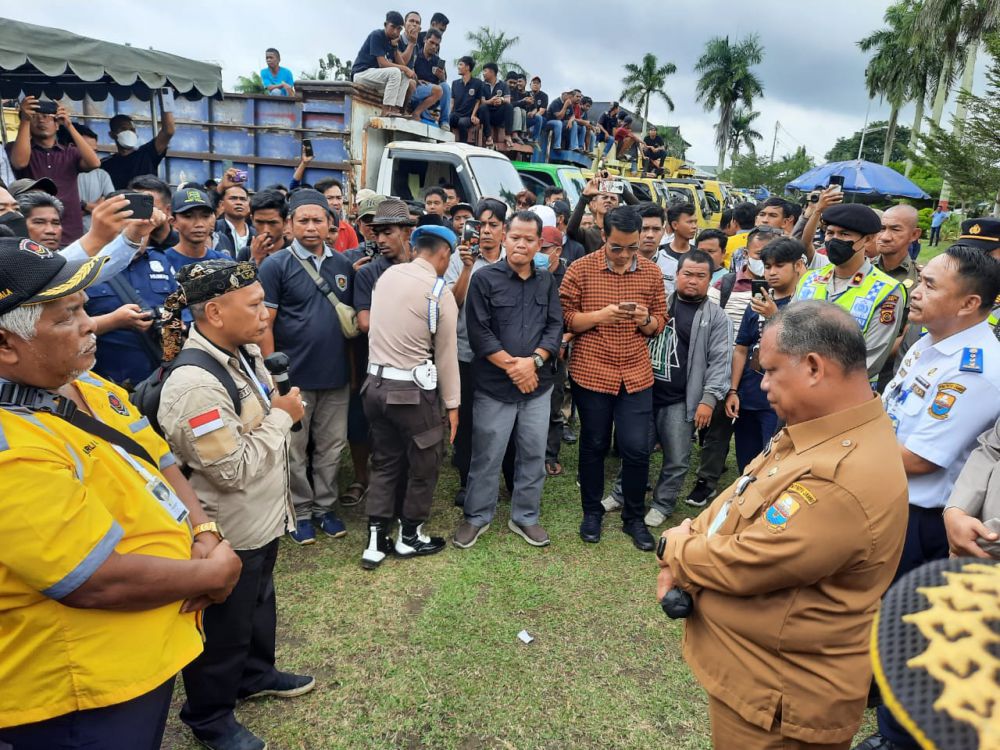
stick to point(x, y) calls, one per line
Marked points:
point(617, 249)
point(765, 229)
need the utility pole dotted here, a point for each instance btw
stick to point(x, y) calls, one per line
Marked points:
point(864, 130)
point(774, 143)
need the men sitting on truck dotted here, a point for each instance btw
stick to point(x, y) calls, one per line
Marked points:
point(380, 62)
point(467, 93)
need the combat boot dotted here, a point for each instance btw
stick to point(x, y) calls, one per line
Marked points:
point(379, 544)
point(413, 542)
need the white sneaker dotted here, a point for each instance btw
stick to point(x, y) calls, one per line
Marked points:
point(654, 518)
point(610, 504)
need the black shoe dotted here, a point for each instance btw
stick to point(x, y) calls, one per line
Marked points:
point(877, 742)
point(641, 537)
point(379, 544)
point(460, 498)
point(241, 739)
point(700, 494)
point(590, 528)
point(413, 542)
point(285, 685)
point(568, 435)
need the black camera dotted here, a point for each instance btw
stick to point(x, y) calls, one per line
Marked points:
point(156, 314)
point(370, 249)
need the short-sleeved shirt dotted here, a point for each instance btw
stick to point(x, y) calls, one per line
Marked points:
point(752, 398)
point(515, 315)
point(375, 46)
point(455, 267)
point(284, 75)
point(552, 113)
point(121, 355)
point(608, 122)
point(364, 281)
point(178, 260)
point(424, 68)
point(943, 397)
point(465, 95)
point(654, 142)
point(541, 100)
point(939, 217)
point(93, 186)
point(497, 88)
point(61, 164)
point(122, 168)
point(71, 500)
point(306, 326)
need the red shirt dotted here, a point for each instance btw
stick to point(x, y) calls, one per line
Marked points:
point(612, 354)
point(61, 164)
point(346, 237)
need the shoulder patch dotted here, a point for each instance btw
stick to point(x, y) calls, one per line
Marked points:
point(117, 405)
point(780, 511)
point(205, 423)
point(972, 360)
point(805, 494)
point(887, 313)
point(341, 281)
point(944, 400)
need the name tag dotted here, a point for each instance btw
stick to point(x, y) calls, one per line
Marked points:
point(719, 519)
point(157, 488)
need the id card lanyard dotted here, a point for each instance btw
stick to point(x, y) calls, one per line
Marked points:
point(158, 489)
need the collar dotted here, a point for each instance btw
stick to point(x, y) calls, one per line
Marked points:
point(57, 146)
point(859, 275)
point(607, 262)
point(301, 252)
point(206, 344)
point(973, 336)
point(424, 264)
point(806, 435)
point(509, 270)
point(232, 228)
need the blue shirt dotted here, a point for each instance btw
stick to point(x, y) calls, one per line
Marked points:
point(943, 397)
point(179, 260)
point(515, 315)
point(375, 46)
point(121, 354)
point(939, 217)
point(284, 75)
point(752, 398)
point(364, 281)
point(306, 327)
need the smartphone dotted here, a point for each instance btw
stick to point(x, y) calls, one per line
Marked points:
point(140, 204)
point(627, 306)
point(837, 181)
point(615, 187)
point(241, 176)
point(759, 288)
point(307, 147)
point(470, 233)
point(46, 107)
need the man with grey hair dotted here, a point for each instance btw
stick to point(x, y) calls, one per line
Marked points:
point(43, 214)
point(806, 536)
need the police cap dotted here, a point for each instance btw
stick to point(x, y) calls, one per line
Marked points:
point(853, 216)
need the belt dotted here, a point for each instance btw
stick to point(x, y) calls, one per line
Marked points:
point(390, 373)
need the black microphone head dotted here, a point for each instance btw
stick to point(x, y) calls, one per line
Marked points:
point(277, 363)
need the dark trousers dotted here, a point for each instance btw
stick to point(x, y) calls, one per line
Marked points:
point(461, 455)
point(716, 446)
point(926, 540)
point(935, 237)
point(136, 724)
point(556, 422)
point(753, 429)
point(463, 125)
point(407, 432)
point(500, 116)
point(239, 649)
point(630, 414)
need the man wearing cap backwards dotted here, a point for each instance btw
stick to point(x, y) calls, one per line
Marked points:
point(850, 281)
point(412, 370)
point(238, 464)
point(107, 554)
point(304, 325)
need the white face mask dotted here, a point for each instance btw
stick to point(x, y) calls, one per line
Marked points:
point(127, 139)
point(756, 266)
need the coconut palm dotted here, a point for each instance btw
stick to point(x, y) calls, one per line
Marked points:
point(250, 84)
point(492, 46)
point(727, 81)
point(644, 81)
point(741, 132)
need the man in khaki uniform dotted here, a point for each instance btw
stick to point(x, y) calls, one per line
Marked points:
point(975, 500)
point(239, 469)
point(787, 566)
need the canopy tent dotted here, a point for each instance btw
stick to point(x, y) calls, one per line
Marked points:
point(861, 177)
point(41, 60)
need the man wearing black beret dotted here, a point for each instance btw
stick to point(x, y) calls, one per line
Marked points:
point(850, 281)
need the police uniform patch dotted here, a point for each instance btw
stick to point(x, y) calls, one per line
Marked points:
point(887, 313)
point(780, 511)
point(156, 266)
point(802, 492)
point(907, 283)
point(34, 248)
point(918, 390)
point(943, 402)
point(972, 360)
point(117, 405)
point(341, 281)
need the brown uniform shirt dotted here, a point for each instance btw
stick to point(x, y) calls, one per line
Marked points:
point(786, 587)
point(977, 489)
point(399, 335)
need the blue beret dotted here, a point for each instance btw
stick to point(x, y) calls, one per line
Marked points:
point(437, 231)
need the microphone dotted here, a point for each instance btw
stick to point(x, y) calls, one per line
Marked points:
point(677, 604)
point(277, 365)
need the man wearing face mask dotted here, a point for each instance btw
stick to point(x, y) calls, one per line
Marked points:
point(132, 159)
point(872, 297)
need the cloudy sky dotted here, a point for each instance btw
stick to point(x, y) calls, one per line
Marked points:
point(813, 72)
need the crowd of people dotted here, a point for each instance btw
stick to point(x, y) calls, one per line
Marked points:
point(179, 391)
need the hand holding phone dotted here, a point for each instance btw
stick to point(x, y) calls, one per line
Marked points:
point(836, 183)
point(140, 204)
point(307, 148)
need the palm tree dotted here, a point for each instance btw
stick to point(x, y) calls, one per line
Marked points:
point(250, 84)
point(726, 81)
point(741, 132)
point(492, 46)
point(644, 81)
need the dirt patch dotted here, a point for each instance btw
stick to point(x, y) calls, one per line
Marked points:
point(415, 602)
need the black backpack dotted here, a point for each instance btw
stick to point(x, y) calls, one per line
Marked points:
point(146, 395)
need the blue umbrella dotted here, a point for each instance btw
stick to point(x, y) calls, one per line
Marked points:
point(863, 177)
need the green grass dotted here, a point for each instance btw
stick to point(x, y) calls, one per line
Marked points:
point(424, 653)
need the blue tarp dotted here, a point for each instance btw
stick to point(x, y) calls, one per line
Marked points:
point(863, 177)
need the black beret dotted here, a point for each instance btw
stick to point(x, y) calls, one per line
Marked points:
point(853, 216)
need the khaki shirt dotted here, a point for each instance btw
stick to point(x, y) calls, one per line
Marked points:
point(239, 463)
point(977, 489)
point(399, 335)
point(786, 587)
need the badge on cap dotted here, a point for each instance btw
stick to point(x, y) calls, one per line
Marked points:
point(35, 249)
point(972, 360)
point(975, 229)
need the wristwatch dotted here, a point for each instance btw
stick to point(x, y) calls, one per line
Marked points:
point(210, 527)
point(538, 360)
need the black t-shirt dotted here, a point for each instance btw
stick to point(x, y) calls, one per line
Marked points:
point(424, 68)
point(673, 389)
point(522, 99)
point(552, 113)
point(497, 88)
point(364, 281)
point(465, 95)
point(376, 45)
point(608, 122)
point(144, 160)
point(654, 142)
point(541, 99)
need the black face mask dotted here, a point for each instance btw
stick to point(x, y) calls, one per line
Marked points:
point(839, 251)
point(15, 222)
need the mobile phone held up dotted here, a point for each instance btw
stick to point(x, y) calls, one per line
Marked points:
point(615, 187)
point(470, 235)
point(46, 107)
point(307, 148)
point(759, 288)
point(836, 182)
point(140, 204)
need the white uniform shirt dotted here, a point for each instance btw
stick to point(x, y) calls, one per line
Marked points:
point(943, 397)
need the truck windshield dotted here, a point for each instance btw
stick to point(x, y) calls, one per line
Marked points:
point(497, 178)
point(572, 183)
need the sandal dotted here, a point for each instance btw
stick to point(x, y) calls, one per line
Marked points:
point(553, 468)
point(353, 495)
point(488, 143)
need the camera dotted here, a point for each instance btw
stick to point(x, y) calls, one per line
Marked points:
point(370, 249)
point(241, 176)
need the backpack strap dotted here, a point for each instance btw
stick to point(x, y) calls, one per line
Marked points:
point(204, 360)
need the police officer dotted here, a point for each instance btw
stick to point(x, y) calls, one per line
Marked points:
point(850, 281)
point(105, 556)
point(786, 566)
point(899, 231)
point(412, 369)
point(946, 392)
point(239, 470)
point(984, 234)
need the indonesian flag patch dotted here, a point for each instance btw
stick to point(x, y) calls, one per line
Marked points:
point(205, 423)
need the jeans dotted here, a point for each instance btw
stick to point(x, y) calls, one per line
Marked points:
point(716, 447)
point(606, 140)
point(445, 101)
point(535, 123)
point(423, 91)
point(495, 421)
point(580, 132)
point(753, 429)
point(935, 236)
point(556, 126)
point(556, 418)
point(461, 124)
point(629, 413)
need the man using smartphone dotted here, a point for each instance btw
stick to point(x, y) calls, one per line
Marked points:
point(132, 159)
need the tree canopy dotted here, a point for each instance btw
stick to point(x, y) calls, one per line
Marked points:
point(846, 149)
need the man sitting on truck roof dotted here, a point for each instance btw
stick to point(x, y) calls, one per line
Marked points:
point(380, 62)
